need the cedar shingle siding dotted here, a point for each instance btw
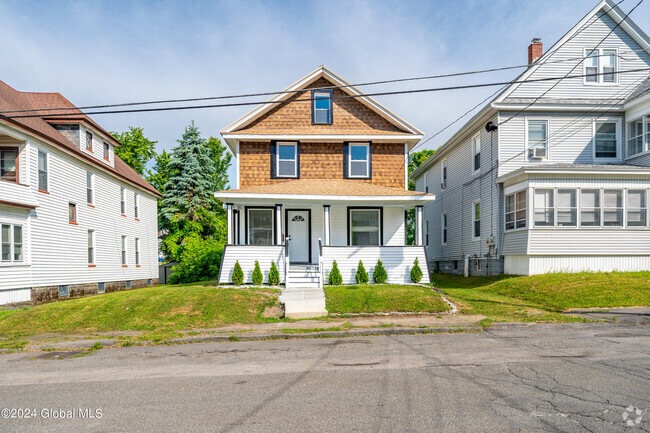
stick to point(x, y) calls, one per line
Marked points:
point(321, 161)
point(349, 117)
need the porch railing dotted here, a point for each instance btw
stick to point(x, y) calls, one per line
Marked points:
point(287, 238)
point(320, 263)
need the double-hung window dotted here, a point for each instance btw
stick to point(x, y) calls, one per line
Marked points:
point(136, 205)
point(537, 138)
point(42, 171)
point(443, 175)
point(613, 208)
point(364, 226)
point(90, 188)
point(476, 218)
point(9, 164)
point(444, 229)
point(636, 208)
point(476, 152)
point(601, 66)
point(606, 139)
point(11, 241)
point(516, 210)
point(137, 251)
point(91, 247)
point(638, 136)
point(322, 106)
point(123, 200)
point(261, 226)
point(89, 141)
point(589, 208)
point(72, 213)
point(107, 151)
point(358, 160)
point(567, 210)
point(426, 182)
point(123, 257)
point(286, 161)
point(544, 213)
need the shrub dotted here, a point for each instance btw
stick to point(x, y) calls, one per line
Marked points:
point(257, 277)
point(237, 274)
point(199, 261)
point(362, 275)
point(379, 274)
point(335, 275)
point(274, 275)
point(416, 272)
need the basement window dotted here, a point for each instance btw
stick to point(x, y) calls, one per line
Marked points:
point(101, 287)
point(64, 291)
point(128, 284)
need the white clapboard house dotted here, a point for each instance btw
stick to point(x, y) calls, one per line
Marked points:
point(552, 175)
point(321, 176)
point(74, 218)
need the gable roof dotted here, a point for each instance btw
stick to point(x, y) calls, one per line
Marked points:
point(12, 99)
point(489, 108)
point(641, 90)
point(301, 84)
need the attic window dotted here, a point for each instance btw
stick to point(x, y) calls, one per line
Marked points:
point(321, 112)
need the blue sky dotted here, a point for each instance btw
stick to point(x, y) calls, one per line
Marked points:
point(97, 52)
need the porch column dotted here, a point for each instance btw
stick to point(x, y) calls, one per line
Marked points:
point(418, 225)
point(278, 224)
point(326, 223)
point(230, 238)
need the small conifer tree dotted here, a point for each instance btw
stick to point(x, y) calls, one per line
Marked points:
point(416, 272)
point(274, 275)
point(335, 275)
point(257, 277)
point(362, 275)
point(237, 275)
point(379, 275)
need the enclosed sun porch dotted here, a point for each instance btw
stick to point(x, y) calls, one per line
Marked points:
point(303, 226)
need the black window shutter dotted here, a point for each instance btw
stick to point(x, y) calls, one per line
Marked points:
point(313, 103)
point(274, 151)
point(298, 160)
point(369, 160)
point(346, 153)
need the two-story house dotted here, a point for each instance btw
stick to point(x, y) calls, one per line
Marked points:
point(553, 174)
point(74, 218)
point(321, 175)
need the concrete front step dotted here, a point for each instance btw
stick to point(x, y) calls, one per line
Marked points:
point(303, 302)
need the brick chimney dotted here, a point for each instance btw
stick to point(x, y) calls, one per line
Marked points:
point(534, 50)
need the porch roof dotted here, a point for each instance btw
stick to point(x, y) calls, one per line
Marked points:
point(325, 190)
point(574, 169)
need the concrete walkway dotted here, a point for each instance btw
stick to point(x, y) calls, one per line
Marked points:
point(303, 303)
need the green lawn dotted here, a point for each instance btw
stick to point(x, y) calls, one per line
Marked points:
point(157, 310)
point(382, 298)
point(543, 297)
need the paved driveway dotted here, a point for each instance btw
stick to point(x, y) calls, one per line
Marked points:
point(576, 378)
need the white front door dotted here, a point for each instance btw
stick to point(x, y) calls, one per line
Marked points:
point(298, 228)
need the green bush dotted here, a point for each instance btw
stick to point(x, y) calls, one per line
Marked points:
point(199, 261)
point(416, 272)
point(237, 274)
point(257, 277)
point(274, 275)
point(362, 275)
point(379, 275)
point(335, 275)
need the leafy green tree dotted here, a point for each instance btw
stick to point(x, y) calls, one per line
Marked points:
point(335, 277)
point(274, 275)
point(379, 275)
point(362, 276)
point(237, 274)
point(417, 158)
point(416, 272)
point(136, 149)
point(257, 276)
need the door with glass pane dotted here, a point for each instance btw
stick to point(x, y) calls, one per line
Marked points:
point(298, 222)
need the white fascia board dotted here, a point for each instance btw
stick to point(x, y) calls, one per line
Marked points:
point(524, 173)
point(400, 138)
point(390, 199)
point(643, 99)
point(559, 107)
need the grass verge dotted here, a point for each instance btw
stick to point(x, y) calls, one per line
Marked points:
point(382, 298)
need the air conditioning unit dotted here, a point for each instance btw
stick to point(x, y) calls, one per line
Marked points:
point(537, 153)
point(443, 185)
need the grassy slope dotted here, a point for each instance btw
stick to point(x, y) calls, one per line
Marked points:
point(382, 298)
point(150, 309)
point(543, 296)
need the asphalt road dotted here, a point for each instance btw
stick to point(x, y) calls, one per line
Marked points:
point(575, 378)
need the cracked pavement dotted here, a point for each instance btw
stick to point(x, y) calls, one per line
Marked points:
point(510, 378)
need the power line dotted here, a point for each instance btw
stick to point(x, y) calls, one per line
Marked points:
point(576, 65)
point(249, 95)
point(396, 92)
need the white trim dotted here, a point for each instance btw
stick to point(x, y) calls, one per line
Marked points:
point(237, 165)
point(91, 188)
point(367, 160)
point(599, 57)
point(295, 159)
point(93, 239)
point(426, 182)
point(509, 106)
point(528, 119)
point(516, 209)
point(229, 196)
point(645, 132)
point(619, 131)
point(444, 174)
point(406, 164)
point(476, 138)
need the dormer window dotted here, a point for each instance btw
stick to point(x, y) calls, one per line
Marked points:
point(601, 66)
point(89, 141)
point(107, 151)
point(358, 160)
point(285, 161)
point(321, 112)
point(9, 164)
